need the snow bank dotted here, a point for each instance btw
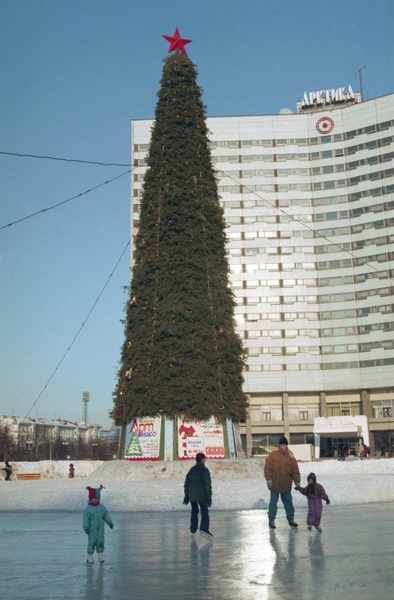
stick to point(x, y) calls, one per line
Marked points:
point(237, 485)
point(122, 470)
point(55, 469)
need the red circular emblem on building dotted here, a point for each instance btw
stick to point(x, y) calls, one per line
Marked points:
point(325, 125)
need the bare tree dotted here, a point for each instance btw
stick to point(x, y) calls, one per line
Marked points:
point(7, 442)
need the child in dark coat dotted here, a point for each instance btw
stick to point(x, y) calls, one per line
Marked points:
point(315, 493)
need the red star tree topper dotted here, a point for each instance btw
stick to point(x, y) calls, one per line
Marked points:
point(176, 42)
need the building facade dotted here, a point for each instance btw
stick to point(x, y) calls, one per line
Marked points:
point(309, 203)
point(34, 434)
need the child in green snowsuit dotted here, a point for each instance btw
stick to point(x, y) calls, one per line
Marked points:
point(94, 516)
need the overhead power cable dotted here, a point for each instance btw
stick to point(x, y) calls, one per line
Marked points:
point(65, 201)
point(236, 180)
point(69, 160)
point(303, 224)
point(78, 332)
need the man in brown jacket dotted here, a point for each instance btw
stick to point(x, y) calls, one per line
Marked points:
point(280, 470)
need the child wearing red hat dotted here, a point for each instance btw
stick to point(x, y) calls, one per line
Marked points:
point(94, 517)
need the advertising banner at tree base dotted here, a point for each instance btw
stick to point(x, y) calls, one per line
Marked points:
point(143, 439)
point(230, 439)
point(200, 436)
point(168, 439)
point(238, 441)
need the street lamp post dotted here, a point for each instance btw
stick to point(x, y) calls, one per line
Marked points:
point(94, 448)
point(65, 447)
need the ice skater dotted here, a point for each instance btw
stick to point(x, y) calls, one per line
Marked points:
point(8, 471)
point(94, 517)
point(198, 491)
point(315, 493)
point(280, 471)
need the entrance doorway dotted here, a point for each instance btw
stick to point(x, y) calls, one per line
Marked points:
point(337, 446)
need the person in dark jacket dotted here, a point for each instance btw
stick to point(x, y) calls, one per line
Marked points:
point(8, 471)
point(198, 491)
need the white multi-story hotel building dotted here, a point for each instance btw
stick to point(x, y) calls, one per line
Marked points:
point(309, 202)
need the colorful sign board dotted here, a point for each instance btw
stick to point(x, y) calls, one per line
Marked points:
point(200, 436)
point(143, 439)
point(168, 439)
point(230, 439)
point(238, 441)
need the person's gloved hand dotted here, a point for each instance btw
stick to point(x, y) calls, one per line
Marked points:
point(328, 502)
point(186, 500)
point(209, 503)
point(87, 531)
point(297, 486)
point(111, 526)
point(269, 484)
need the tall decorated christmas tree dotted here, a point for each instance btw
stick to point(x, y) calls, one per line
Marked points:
point(181, 357)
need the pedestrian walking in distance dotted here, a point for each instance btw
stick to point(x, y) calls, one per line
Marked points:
point(198, 491)
point(280, 471)
point(8, 471)
point(315, 493)
point(94, 517)
point(71, 471)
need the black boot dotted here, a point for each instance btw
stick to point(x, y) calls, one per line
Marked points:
point(292, 523)
point(271, 523)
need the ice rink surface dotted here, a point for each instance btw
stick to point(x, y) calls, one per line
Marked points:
point(151, 556)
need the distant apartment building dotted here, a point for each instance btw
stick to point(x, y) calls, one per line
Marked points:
point(309, 204)
point(31, 434)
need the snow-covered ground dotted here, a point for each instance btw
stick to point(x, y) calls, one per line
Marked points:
point(158, 486)
point(54, 469)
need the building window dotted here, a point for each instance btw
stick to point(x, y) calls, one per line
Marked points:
point(338, 409)
point(303, 412)
point(255, 413)
point(266, 412)
point(383, 409)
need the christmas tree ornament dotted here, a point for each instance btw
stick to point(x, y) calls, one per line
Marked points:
point(176, 42)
